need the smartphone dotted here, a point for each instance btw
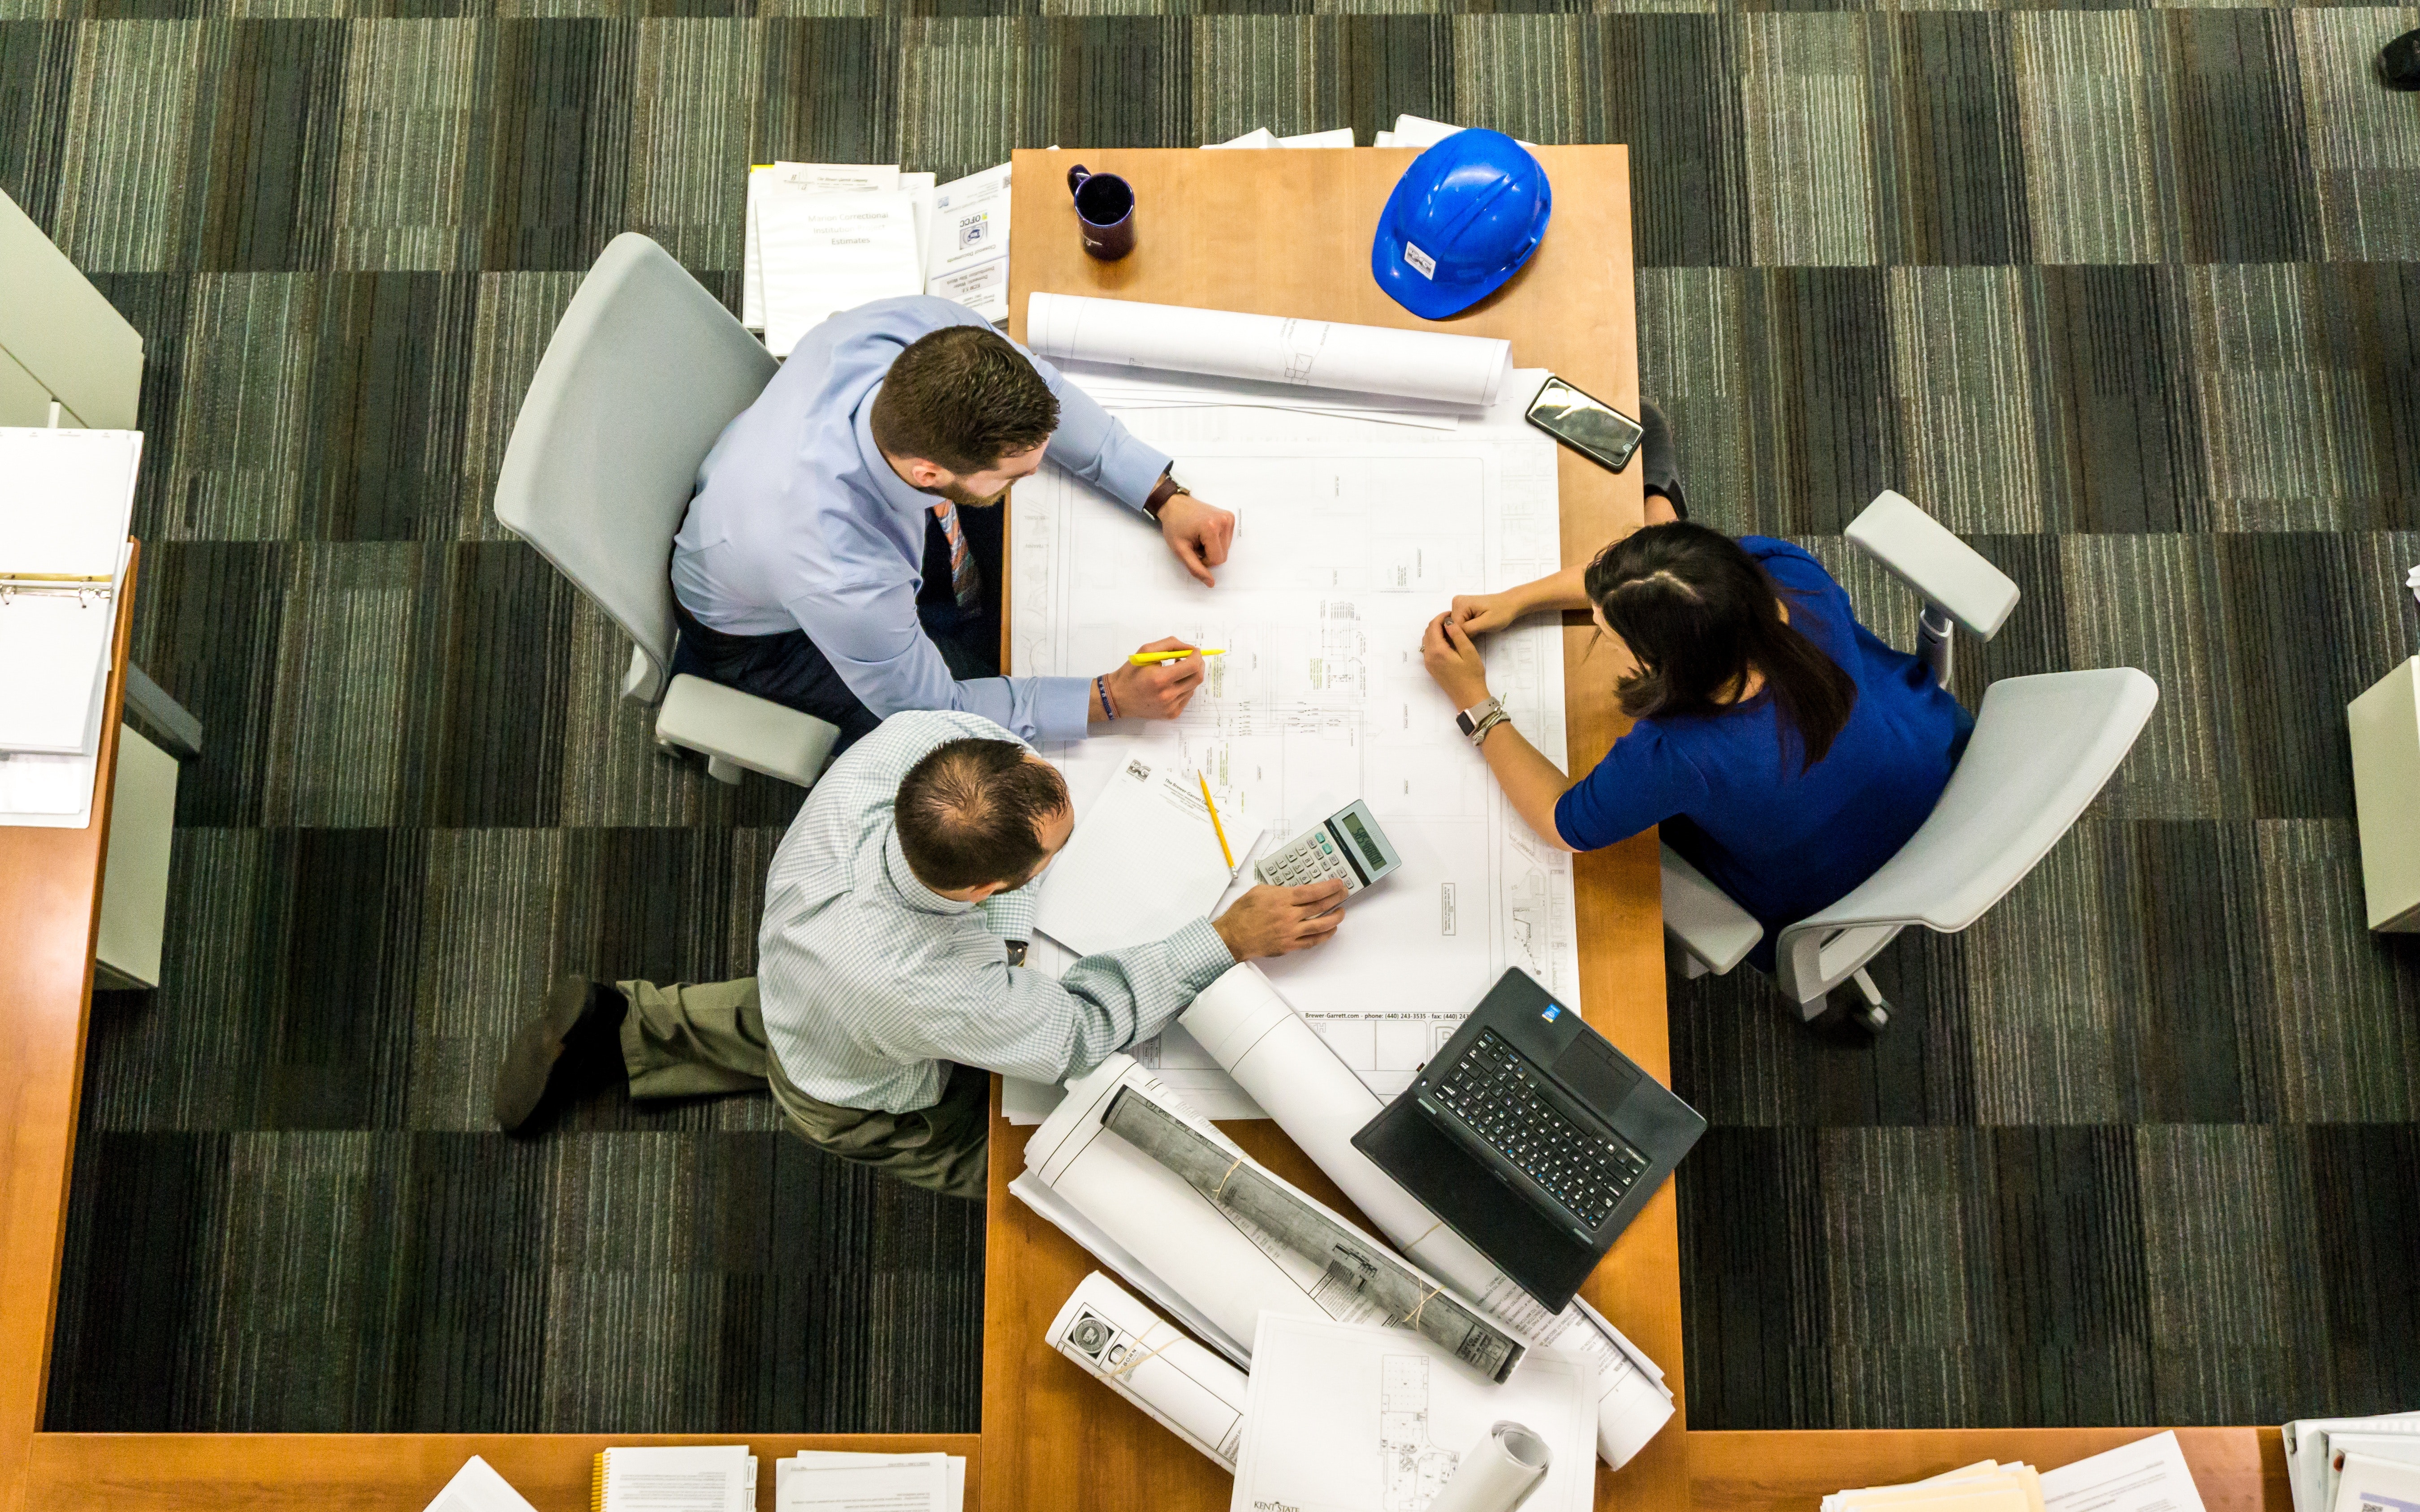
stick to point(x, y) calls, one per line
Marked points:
point(1586, 424)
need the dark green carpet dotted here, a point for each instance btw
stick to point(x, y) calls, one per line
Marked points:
point(2126, 294)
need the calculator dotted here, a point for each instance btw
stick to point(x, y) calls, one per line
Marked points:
point(1348, 843)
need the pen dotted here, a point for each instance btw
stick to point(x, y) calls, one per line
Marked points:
point(1216, 826)
point(1148, 658)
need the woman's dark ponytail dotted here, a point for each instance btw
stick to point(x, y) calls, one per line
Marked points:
point(1700, 613)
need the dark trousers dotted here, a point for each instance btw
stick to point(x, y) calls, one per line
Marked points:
point(789, 669)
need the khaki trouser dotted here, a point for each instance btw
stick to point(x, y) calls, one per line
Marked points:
point(699, 1039)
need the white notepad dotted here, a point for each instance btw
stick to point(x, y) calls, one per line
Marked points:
point(680, 1478)
point(1143, 863)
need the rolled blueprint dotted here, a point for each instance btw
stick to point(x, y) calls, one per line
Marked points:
point(1147, 1360)
point(1497, 1475)
point(1235, 1184)
point(1280, 1060)
point(1269, 348)
point(1219, 1263)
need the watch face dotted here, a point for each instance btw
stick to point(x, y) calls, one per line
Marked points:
point(1462, 722)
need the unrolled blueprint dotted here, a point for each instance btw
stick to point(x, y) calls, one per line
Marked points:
point(1351, 536)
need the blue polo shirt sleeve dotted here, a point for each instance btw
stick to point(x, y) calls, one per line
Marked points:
point(1644, 780)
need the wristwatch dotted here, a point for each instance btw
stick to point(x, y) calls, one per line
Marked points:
point(1476, 720)
point(1017, 952)
point(1162, 491)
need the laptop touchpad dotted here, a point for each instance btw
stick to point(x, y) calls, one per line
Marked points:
point(1587, 1067)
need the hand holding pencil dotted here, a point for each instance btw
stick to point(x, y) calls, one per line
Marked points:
point(1155, 683)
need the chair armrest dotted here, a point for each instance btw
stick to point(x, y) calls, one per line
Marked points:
point(744, 729)
point(1941, 568)
point(1704, 919)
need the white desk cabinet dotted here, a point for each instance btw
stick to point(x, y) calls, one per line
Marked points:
point(2386, 796)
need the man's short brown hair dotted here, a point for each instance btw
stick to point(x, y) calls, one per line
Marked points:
point(962, 397)
point(969, 814)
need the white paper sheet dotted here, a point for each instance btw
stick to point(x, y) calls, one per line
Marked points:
point(66, 497)
point(827, 253)
point(1143, 862)
point(1349, 1419)
point(53, 654)
point(1258, 137)
point(967, 257)
point(1142, 388)
point(2309, 1449)
point(1340, 136)
point(477, 1488)
point(1349, 538)
point(2371, 1483)
point(1242, 1022)
point(1419, 131)
point(1112, 1336)
point(2147, 1475)
point(679, 1478)
point(777, 178)
point(2402, 1449)
point(1267, 348)
point(875, 1483)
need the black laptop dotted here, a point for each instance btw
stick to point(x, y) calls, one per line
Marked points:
point(1532, 1138)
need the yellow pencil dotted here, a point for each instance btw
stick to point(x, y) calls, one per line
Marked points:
point(1221, 830)
point(1148, 658)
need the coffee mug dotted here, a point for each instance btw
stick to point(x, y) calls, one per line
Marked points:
point(1105, 212)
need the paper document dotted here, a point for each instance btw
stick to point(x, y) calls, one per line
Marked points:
point(872, 1483)
point(953, 1468)
point(1186, 1389)
point(66, 497)
point(1321, 354)
point(967, 257)
point(53, 654)
point(477, 1488)
point(2147, 1475)
point(2369, 1448)
point(685, 1478)
point(828, 253)
point(782, 179)
point(1259, 136)
point(1419, 131)
point(1143, 862)
point(1352, 1419)
point(1351, 537)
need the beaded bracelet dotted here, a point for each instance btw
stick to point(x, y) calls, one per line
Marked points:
point(1101, 686)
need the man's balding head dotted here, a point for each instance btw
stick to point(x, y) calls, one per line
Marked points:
point(975, 813)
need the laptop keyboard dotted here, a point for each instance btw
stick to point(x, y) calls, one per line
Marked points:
point(1493, 1090)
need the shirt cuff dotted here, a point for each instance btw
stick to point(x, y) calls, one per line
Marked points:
point(1199, 955)
point(1063, 707)
point(1129, 469)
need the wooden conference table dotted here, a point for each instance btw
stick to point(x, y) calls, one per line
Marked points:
point(1282, 231)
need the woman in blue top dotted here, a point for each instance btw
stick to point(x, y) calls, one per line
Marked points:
point(1786, 751)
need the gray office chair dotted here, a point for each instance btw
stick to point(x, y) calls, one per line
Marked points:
point(641, 375)
point(2043, 748)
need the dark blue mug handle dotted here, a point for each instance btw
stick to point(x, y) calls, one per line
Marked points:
point(1076, 178)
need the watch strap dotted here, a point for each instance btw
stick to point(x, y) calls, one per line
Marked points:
point(1161, 492)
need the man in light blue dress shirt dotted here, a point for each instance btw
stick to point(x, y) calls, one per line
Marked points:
point(841, 555)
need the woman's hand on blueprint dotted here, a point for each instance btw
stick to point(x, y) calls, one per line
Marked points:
point(1198, 533)
point(1158, 691)
point(1454, 662)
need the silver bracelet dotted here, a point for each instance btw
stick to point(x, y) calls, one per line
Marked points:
point(1493, 718)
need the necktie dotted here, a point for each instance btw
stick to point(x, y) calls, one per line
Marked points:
point(966, 573)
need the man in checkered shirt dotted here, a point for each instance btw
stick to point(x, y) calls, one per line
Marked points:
point(891, 970)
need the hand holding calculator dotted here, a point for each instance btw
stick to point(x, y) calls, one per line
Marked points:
point(1347, 845)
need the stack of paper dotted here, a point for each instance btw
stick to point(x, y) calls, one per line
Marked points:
point(1145, 861)
point(824, 237)
point(816, 1480)
point(1988, 1487)
point(2147, 1475)
point(1261, 136)
point(65, 498)
point(2353, 1462)
point(719, 1478)
point(1419, 131)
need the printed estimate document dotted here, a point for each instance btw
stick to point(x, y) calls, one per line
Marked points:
point(967, 257)
point(1144, 861)
point(770, 180)
point(827, 253)
point(1347, 1418)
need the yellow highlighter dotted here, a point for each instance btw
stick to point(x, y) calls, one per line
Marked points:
point(1153, 658)
point(1224, 848)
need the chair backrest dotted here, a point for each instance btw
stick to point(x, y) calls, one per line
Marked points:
point(645, 371)
point(2043, 748)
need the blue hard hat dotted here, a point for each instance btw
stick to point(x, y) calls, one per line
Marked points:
point(1464, 217)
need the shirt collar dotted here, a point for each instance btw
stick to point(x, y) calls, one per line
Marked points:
point(887, 481)
point(912, 892)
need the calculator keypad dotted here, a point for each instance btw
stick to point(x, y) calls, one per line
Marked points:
point(1311, 857)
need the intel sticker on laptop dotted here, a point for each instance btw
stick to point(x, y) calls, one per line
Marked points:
point(1553, 1012)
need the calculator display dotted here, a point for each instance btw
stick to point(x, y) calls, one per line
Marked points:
point(1361, 837)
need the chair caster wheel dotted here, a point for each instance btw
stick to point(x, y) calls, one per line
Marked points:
point(1873, 1017)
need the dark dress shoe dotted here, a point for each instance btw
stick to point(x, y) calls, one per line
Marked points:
point(573, 1046)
